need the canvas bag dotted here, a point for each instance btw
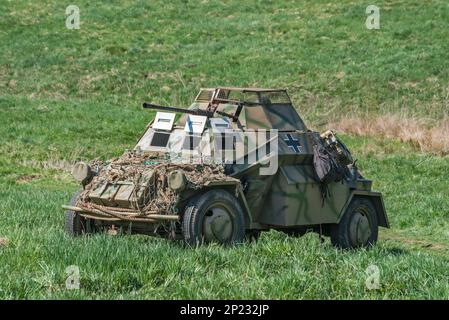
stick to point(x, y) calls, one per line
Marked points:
point(327, 168)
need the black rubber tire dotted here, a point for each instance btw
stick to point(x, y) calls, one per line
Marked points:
point(341, 234)
point(195, 212)
point(76, 225)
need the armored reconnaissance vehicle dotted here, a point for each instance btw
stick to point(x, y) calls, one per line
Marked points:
point(237, 162)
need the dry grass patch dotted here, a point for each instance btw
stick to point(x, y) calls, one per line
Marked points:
point(4, 242)
point(28, 178)
point(417, 132)
point(390, 235)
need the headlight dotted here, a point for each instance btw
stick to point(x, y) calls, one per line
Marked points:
point(177, 180)
point(82, 172)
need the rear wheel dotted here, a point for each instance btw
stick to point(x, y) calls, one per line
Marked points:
point(75, 224)
point(358, 227)
point(215, 216)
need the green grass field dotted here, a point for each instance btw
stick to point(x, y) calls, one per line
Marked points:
point(67, 95)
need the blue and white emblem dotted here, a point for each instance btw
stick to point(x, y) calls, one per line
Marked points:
point(292, 143)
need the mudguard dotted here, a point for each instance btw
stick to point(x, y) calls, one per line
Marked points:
point(376, 198)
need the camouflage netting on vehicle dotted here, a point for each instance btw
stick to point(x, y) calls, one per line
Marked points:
point(143, 180)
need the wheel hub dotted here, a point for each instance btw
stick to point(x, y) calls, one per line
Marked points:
point(359, 229)
point(217, 225)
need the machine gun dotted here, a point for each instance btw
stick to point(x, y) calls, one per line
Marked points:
point(197, 112)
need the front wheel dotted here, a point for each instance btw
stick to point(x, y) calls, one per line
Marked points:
point(358, 227)
point(215, 216)
point(75, 224)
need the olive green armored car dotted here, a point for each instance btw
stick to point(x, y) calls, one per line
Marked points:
point(237, 162)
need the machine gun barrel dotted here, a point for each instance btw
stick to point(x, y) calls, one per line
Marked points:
point(147, 105)
point(197, 112)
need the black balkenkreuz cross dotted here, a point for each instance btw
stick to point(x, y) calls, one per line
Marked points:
point(292, 143)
